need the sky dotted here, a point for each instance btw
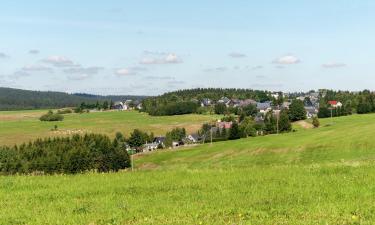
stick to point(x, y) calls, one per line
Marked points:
point(151, 47)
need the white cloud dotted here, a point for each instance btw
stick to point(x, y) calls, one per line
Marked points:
point(34, 51)
point(60, 61)
point(82, 76)
point(287, 59)
point(170, 58)
point(125, 72)
point(37, 68)
point(333, 65)
point(237, 55)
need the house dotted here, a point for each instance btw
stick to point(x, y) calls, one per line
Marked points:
point(119, 106)
point(150, 147)
point(139, 106)
point(247, 102)
point(129, 104)
point(335, 104)
point(234, 103)
point(224, 100)
point(205, 102)
point(159, 141)
point(264, 107)
point(224, 125)
point(258, 119)
point(175, 144)
point(311, 111)
point(194, 138)
point(285, 105)
point(275, 95)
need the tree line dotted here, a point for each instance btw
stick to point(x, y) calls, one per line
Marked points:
point(75, 154)
point(188, 101)
point(17, 99)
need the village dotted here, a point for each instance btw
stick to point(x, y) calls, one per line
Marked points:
point(310, 103)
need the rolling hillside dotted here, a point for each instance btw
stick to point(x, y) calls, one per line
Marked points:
point(312, 176)
point(17, 127)
point(17, 99)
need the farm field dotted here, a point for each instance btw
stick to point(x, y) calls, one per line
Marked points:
point(20, 126)
point(312, 176)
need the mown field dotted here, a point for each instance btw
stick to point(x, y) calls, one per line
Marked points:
point(312, 176)
point(20, 126)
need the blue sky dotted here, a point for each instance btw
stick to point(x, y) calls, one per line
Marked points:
point(150, 47)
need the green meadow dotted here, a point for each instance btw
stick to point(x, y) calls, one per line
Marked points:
point(19, 126)
point(311, 176)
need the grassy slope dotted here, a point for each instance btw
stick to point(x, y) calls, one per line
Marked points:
point(20, 126)
point(316, 176)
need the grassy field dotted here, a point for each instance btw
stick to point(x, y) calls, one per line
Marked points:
point(312, 176)
point(21, 126)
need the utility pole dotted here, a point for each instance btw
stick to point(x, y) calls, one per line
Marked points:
point(132, 162)
point(331, 117)
point(277, 122)
point(211, 134)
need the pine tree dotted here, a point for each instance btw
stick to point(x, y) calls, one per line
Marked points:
point(234, 132)
point(284, 122)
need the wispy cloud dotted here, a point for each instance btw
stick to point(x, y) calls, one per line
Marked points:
point(150, 52)
point(176, 82)
point(19, 74)
point(257, 67)
point(82, 76)
point(159, 78)
point(83, 70)
point(237, 55)
point(60, 61)
point(333, 65)
point(34, 51)
point(37, 68)
point(170, 58)
point(3, 55)
point(217, 69)
point(287, 60)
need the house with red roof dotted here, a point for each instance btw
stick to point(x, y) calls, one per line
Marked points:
point(335, 104)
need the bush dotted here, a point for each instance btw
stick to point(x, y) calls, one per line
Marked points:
point(220, 108)
point(316, 122)
point(50, 116)
point(64, 111)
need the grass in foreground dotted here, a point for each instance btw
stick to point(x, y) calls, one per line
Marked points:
point(19, 126)
point(313, 176)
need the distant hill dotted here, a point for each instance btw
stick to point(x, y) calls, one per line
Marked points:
point(17, 99)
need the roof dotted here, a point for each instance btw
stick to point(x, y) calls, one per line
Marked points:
point(159, 139)
point(118, 103)
point(248, 102)
point(311, 109)
point(195, 136)
point(263, 105)
point(332, 102)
